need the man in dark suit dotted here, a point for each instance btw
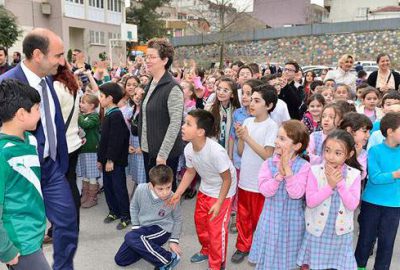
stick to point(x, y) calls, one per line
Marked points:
point(289, 93)
point(44, 52)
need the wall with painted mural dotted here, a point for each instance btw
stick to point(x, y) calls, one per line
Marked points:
point(307, 50)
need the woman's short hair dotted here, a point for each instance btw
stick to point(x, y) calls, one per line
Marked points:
point(164, 49)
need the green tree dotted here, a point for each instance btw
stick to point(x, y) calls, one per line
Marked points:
point(10, 31)
point(144, 15)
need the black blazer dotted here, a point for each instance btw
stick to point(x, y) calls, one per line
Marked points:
point(291, 95)
point(114, 139)
point(372, 78)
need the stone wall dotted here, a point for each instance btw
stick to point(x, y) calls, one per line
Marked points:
point(306, 50)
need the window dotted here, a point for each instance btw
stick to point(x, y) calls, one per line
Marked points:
point(182, 16)
point(97, 37)
point(362, 11)
point(114, 35)
point(96, 3)
point(115, 5)
point(74, 1)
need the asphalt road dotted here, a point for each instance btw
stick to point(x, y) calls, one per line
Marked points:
point(98, 243)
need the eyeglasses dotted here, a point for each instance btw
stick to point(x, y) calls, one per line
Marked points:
point(151, 57)
point(223, 90)
point(289, 70)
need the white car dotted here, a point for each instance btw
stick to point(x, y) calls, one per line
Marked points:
point(316, 69)
point(367, 63)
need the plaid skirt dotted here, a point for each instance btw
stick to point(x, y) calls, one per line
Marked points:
point(279, 232)
point(87, 166)
point(329, 251)
point(136, 163)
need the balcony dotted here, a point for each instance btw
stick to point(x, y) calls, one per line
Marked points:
point(74, 10)
point(114, 17)
point(95, 14)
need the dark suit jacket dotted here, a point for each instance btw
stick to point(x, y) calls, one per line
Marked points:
point(114, 140)
point(62, 150)
point(291, 95)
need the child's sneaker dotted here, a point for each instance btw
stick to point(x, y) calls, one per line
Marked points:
point(198, 258)
point(190, 194)
point(238, 256)
point(123, 224)
point(175, 259)
point(110, 218)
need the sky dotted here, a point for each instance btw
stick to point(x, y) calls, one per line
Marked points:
point(248, 4)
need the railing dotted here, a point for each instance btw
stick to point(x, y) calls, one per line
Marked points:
point(304, 30)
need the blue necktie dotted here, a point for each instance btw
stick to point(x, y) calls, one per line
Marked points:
point(51, 137)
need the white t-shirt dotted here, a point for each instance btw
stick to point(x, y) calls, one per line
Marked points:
point(280, 113)
point(264, 133)
point(209, 162)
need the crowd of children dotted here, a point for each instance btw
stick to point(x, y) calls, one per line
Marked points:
point(282, 163)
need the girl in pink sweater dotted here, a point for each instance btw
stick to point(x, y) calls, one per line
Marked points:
point(332, 195)
point(282, 180)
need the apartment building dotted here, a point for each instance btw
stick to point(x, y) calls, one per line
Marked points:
point(84, 24)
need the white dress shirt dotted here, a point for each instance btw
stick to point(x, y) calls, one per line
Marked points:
point(34, 81)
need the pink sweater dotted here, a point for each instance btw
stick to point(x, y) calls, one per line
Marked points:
point(350, 196)
point(295, 184)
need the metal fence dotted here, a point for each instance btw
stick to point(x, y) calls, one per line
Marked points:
point(304, 30)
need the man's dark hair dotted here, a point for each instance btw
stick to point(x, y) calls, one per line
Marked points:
point(204, 120)
point(112, 89)
point(15, 95)
point(161, 175)
point(35, 41)
point(4, 50)
point(293, 63)
point(390, 120)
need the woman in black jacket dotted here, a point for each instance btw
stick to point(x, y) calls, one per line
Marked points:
point(384, 79)
point(161, 114)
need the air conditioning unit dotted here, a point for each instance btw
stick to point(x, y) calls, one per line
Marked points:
point(45, 8)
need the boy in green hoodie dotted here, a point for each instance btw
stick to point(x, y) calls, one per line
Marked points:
point(22, 212)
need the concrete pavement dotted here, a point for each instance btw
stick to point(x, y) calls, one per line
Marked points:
point(98, 243)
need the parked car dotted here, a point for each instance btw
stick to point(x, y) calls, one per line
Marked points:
point(317, 69)
point(367, 63)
